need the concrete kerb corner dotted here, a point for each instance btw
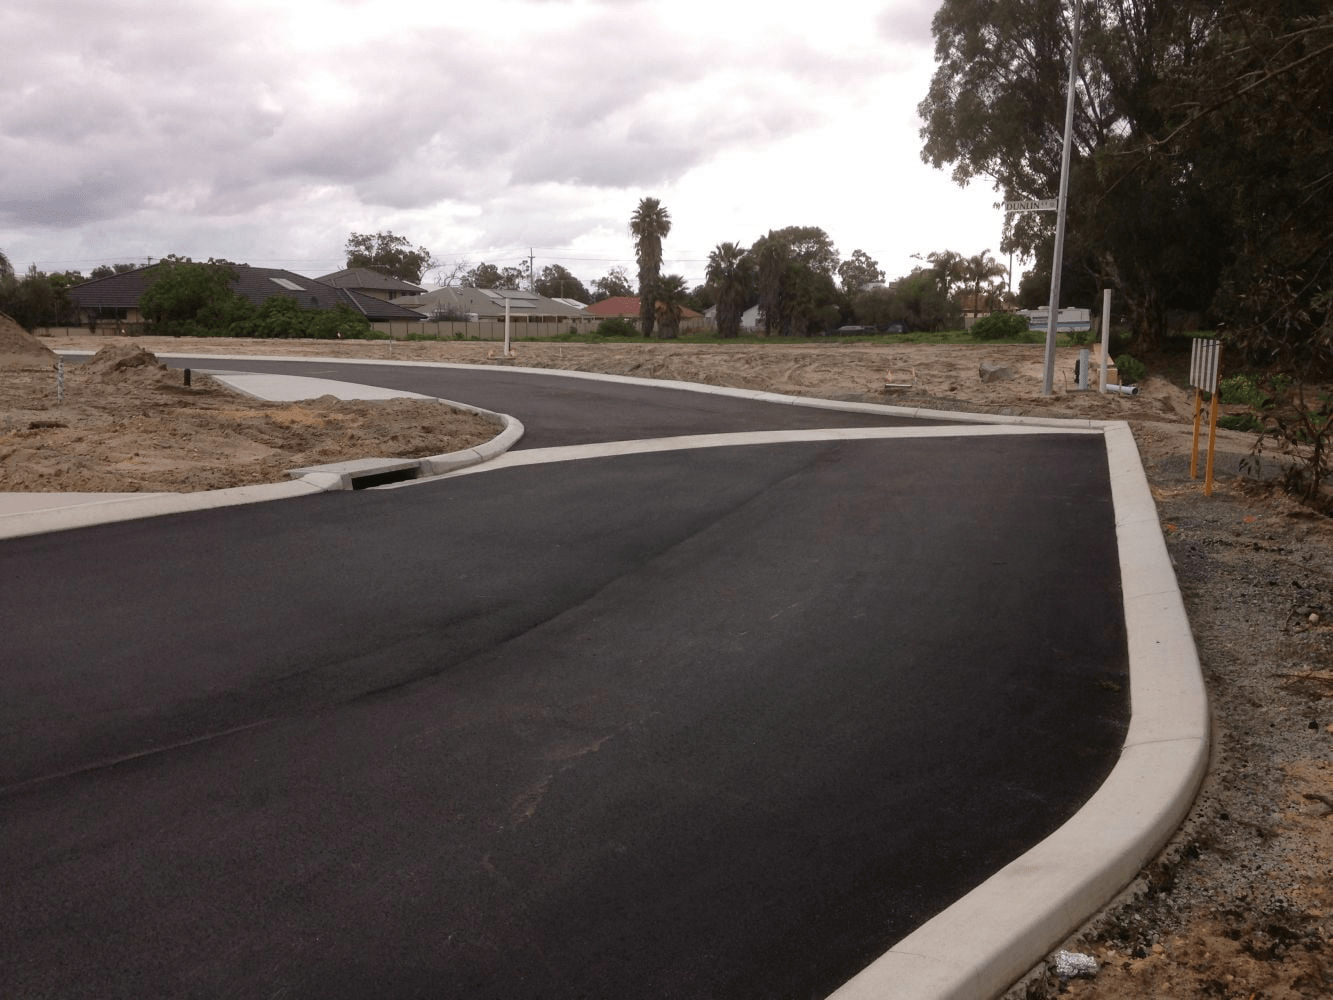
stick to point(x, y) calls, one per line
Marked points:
point(511, 431)
point(976, 949)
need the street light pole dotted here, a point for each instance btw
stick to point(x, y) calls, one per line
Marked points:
point(1057, 262)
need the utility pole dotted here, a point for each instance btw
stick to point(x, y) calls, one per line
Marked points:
point(1057, 262)
point(532, 275)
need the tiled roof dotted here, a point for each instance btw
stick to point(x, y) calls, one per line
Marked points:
point(256, 284)
point(487, 303)
point(365, 277)
point(628, 305)
point(617, 305)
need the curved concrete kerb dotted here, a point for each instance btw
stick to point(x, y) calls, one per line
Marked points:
point(986, 941)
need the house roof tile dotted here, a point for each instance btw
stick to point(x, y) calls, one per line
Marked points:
point(256, 284)
point(365, 277)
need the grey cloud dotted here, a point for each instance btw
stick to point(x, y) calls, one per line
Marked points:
point(202, 113)
point(907, 22)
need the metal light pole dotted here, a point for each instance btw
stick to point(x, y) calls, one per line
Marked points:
point(1057, 262)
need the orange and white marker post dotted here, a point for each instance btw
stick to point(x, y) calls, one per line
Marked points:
point(1205, 362)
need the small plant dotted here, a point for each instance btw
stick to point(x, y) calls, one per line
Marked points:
point(1000, 326)
point(1132, 370)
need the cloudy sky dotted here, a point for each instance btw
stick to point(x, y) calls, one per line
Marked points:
point(266, 132)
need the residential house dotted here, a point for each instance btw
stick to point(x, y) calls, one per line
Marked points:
point(370, 282)
point(627, 307)
point(474, 305)
point(112, 302)
point(750, 322)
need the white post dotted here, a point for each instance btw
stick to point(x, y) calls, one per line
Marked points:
point(506, 353)
point(1053, 323)
point(1106, 334)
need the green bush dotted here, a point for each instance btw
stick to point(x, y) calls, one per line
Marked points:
point(616, 326)
point(1132, 370)
point(1242, 389)
point(1240, 422)
point(1000, 326)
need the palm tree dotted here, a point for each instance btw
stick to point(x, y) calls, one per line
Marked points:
point(977, 272)
point(731, 273)
point(671, 294)
point(948, 269)
point(649, 225)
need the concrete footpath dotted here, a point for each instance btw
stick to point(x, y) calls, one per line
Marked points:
point(991, 937)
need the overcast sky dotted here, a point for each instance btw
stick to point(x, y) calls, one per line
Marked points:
point(266, 132)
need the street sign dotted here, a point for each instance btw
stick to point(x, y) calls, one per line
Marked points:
point(1037, 205)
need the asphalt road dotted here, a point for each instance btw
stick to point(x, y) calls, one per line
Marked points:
point(557, 410)
point(716, 723)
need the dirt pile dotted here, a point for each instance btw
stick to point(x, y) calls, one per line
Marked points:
point(116, 359)
point(20, 349)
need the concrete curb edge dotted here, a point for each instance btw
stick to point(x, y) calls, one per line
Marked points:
point(977, 949)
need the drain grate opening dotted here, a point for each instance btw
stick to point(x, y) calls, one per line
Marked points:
point(373, 479)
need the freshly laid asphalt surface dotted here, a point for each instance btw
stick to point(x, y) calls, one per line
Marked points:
point(557, 410)
point(715, 723)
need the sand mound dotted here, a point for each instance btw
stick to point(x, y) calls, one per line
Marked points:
point(117, 359)
point(20, 349)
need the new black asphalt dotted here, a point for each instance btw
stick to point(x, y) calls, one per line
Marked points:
point(558, 410)
point(717, 723)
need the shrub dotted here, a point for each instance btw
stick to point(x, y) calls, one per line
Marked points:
point(1000, 326)
point(1242, 389)
point(616, 326)
point(1132, 370)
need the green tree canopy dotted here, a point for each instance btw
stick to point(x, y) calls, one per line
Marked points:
point(388, 254)
point(38, 299)
point(672, 291)
point(858, 271)
point(794, 280)
point(917, 302)
point(490, 276)
point(995, 109)
point(109, 270)
point(731, 274)
point(979, 272)
point(649, 225)
point(182, 292)
point(612, 284)
point(557, 283)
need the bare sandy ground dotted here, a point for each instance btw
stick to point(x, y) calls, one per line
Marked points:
point(940, 376)
point(124, 423)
